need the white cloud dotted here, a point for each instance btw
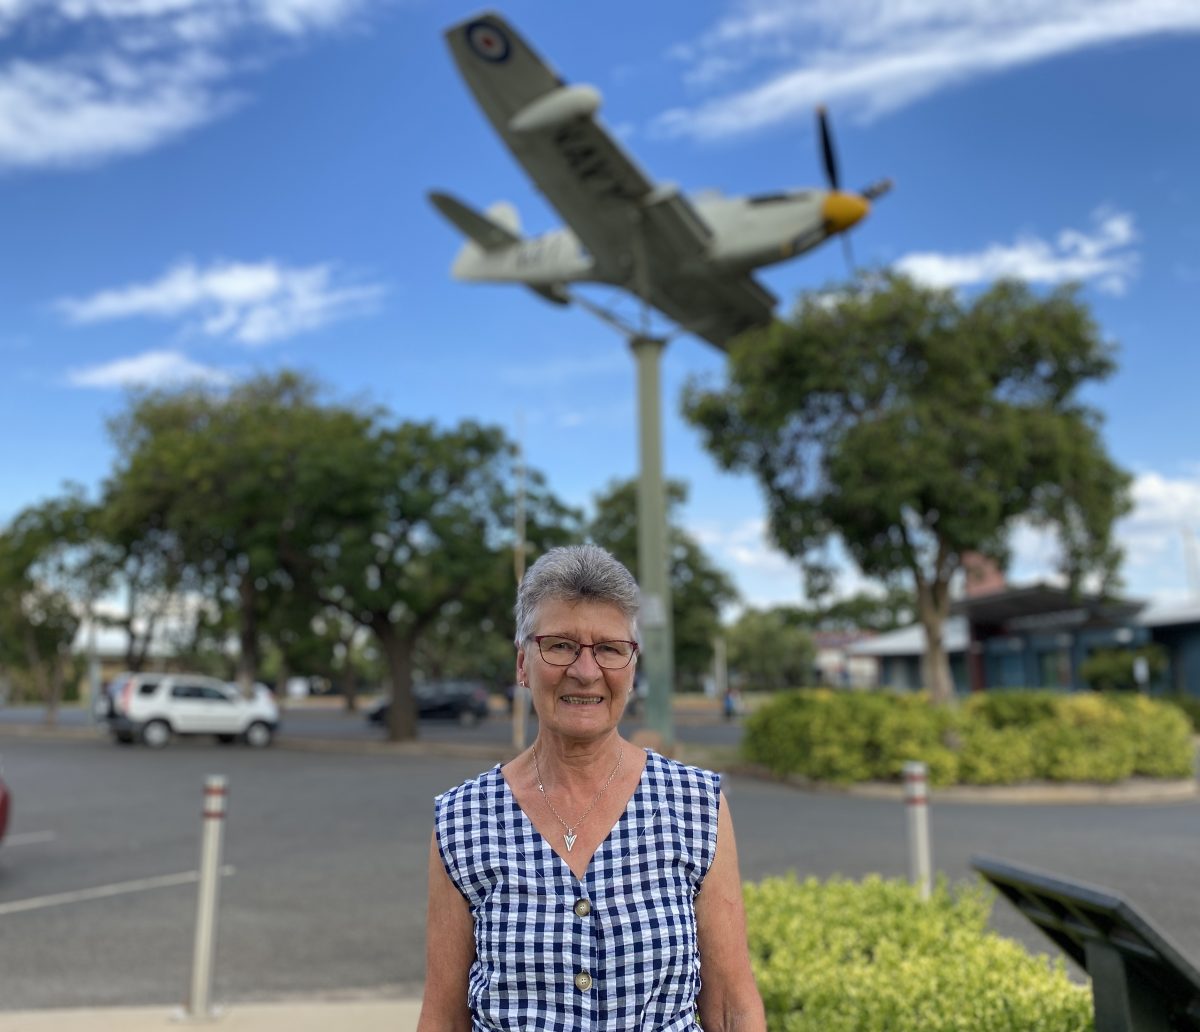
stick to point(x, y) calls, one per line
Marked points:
point(1160, 539)
point(249, 303)
point(150, 369)
point(871, 57)
point(1102, 256)
point(115, 77)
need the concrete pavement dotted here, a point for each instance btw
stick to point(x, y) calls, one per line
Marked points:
point(293, 1016)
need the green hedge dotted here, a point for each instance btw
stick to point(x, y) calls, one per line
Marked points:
point(1190, 706)
point(991, 739)
point(842, 956)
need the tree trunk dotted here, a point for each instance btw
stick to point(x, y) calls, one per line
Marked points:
point(933, 607)
point(349, 685)
point(398, 654)
point(247, 665)
point(281, 682)
point(37, 672)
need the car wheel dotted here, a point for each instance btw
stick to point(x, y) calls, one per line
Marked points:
point(156, 734)
point(258, 735)
point(467, 718)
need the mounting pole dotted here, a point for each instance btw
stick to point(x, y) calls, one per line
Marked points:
point(658, 647)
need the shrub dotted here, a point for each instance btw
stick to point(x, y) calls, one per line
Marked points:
point(872, 957)
point(1001, 709)
point(1190, 706)
point(996, 756)
point(1014, 736)
point(1112, 670)
point(1161, 737)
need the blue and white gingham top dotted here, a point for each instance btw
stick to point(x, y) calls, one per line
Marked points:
point(626, 933)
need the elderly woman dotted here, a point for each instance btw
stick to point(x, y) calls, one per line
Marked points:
point(586, 884)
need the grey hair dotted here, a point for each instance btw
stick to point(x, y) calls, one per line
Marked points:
point(576, 573)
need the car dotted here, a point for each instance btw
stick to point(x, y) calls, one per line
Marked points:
point(464, 701)
point(154, 707)
point(5, 803)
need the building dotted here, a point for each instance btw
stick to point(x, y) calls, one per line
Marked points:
point(1039, 636)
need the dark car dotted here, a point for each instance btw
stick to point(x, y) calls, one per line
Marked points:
point(464, 701)
point(4, 801)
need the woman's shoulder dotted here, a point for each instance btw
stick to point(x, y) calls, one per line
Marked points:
point(680, 774)
point(471, 792)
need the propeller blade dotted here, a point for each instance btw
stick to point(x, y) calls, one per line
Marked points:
point(876, 189)
point(828, 156)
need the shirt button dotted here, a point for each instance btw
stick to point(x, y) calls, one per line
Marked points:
point(583, 981)
point(583, 908)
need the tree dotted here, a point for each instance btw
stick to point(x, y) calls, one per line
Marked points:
point(698, 589)
point(46, 583)
point(915, 426)
point(224, 483)
point(432, 541)
point(862, 611)
point(768, 651)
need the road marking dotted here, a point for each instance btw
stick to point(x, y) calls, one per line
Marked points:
point(30, 838)
point(104, 891)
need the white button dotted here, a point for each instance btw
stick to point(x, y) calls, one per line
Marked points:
point(583, 981)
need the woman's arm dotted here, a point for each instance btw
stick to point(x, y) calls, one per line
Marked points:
point(449, 953)
point(729, 1000)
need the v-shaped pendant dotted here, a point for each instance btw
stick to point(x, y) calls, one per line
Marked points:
point(570, 840)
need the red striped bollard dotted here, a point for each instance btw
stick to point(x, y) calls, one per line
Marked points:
point(198, 1007)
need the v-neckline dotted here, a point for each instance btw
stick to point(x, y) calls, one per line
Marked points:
point(629, 804)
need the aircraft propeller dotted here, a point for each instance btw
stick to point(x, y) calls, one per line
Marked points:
point(857, 204)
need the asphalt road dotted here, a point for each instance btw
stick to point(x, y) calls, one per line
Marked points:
point(329, 853)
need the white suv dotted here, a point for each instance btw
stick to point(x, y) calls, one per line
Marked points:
point(153, 707)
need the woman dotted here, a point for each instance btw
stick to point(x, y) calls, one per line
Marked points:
point(586, 884)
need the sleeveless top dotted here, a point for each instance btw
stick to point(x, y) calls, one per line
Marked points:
point(615, 952)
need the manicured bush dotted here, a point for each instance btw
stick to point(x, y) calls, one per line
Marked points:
point(1190, 705)
point(846, 737)
point(1161, 737)
point(842, 956)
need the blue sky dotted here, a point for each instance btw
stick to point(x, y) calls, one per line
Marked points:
point(209, 188)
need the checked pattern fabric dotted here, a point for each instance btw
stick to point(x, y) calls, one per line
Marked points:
point(615, 952)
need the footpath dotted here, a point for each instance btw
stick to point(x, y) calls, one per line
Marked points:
point(293, 1016)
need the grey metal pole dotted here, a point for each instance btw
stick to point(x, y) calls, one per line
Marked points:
point(658, 648)
point(199, 1008)
point(916, 802)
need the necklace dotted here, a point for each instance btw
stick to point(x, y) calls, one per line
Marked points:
point(570, 836)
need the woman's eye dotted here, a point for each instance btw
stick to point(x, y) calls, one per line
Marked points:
point(561, 646)
point(609, 648)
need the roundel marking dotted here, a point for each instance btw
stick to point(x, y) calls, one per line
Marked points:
point(488, 41)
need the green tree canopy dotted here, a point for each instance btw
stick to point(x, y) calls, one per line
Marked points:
point(915, 425)
point(698, 588)
point(768, 651)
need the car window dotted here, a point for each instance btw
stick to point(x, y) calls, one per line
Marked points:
point(147, 688)
point(213, 694)
point(183, 691)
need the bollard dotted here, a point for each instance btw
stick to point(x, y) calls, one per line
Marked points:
point(916, 802)
point(198, 1007)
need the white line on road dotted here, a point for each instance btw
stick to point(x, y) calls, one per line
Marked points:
point(30, 838)
point(104, 891)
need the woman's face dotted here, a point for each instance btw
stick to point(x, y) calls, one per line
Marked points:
point(583, 700)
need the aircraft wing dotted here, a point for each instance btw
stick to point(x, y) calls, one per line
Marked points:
point(716, 307)
point(610, 204)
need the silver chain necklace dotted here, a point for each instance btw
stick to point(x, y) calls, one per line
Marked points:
point(570, 836)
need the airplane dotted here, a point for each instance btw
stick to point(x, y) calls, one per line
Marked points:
point(690, 258)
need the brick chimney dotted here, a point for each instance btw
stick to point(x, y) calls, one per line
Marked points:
point(983, 575)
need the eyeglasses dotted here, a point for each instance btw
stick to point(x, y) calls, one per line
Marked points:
point(559, 651)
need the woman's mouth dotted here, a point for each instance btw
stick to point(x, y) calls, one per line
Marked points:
point(582, 700)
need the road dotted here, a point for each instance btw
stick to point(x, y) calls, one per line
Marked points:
point(329, 852)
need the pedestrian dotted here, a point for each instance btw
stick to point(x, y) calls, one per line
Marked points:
point(587, 883)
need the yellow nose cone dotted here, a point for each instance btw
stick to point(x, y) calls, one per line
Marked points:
point(843, 210)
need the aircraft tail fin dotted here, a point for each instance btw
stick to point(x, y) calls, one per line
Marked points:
point(499, 228)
